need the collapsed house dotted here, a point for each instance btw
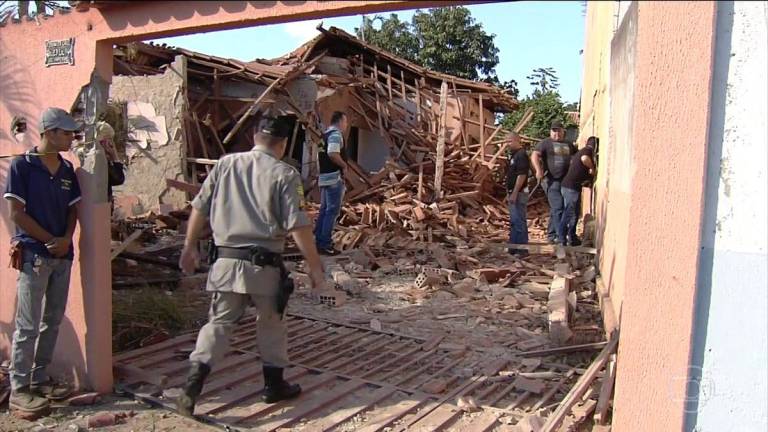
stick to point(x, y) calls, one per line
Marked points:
point(425, 153)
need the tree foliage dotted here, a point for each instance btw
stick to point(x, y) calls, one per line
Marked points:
point(544, 79)
point(547, 107)
point(546, 104)
point(447, 40)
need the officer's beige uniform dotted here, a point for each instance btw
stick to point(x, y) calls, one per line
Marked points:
point(252, 199)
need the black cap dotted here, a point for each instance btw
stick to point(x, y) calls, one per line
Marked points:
point(280, 126)
point(557, 124)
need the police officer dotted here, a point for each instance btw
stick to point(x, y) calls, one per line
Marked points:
point(253, 201)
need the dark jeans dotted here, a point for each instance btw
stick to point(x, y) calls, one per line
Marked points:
point(518, 224)
point(555, 199)
point(570, 215)
point(42, 289)
point(330, 207)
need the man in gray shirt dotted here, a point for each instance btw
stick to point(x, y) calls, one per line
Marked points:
point(253, 201)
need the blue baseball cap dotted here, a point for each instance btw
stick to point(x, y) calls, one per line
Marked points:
point(57, 118)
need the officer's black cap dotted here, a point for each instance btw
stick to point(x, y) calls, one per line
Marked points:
point(280, 126)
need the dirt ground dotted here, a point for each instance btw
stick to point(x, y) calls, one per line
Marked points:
point(139, 417)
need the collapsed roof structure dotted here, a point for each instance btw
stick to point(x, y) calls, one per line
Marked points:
point(425, 152)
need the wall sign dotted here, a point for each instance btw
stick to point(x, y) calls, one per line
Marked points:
point(58, 52)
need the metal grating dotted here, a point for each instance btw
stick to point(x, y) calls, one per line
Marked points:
point(353, 378)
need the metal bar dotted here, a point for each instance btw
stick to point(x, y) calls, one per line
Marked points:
point(342, 415)
point(438, 373)
point(352, 348)
point(339, 364)
point(330, 349)
point(341, 324)
point(307, 407)
point(326, 342)
point(418, 371)
point(263, 409)
point(393, 413)
point(295, 340)
point(426, 411)
point(162, 346)
point(394, 360)
point(373, 360)
point(232, 361)
point(242, 393)
point(409, 364)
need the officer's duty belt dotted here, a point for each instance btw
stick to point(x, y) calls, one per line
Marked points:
point(256, 255)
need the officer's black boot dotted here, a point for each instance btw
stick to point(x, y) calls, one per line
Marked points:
point(185, 404)
point(276, 388)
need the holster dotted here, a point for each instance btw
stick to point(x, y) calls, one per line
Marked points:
point(259, 256)
point(16, 254)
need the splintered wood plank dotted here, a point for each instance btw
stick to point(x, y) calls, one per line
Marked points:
point(441, 142)
point(131, 238)
point(606, 390)
point(342, 415)
point(307, 407)
point(392, 413)
point(482, 128)
point(577, 391)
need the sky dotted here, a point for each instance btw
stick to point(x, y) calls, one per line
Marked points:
point(529, 34)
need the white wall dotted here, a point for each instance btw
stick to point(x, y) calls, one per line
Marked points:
point(372, 150)
point(728, 387)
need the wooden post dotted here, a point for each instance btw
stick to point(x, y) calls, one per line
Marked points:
point(418, 101)
point(296, 127)
point(461, 114)
point(248, 113)
point(200, 136)
point(441, 143)
point(482, 128)
point(216, 94)
point(419, 193)
point(389, 81)
point(402, 84)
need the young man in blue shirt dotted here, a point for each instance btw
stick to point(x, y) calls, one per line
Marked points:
point(333, 170)
point(43, 192)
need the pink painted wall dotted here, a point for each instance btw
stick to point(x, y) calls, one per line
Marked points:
point(27, 87)
point(674, 64)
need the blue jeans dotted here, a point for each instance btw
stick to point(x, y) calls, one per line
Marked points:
point(555, 199)
point(567, 228)
point(330, 207)
point(518, 223)
point(42, 289)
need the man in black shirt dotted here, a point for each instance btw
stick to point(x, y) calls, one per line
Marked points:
point(517, 194)
point(580, 172)
point(557, 157)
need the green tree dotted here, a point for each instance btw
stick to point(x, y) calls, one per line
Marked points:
point(547, 107)
point(545, 79)
point(394, 36)
point(447, 40)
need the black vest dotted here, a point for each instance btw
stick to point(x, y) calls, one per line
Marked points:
point(326, 164)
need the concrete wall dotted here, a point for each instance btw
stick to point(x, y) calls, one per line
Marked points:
point(674, 60)
point(28, 86)
point(728, 372)
point(658, 58)
point(146, 171)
